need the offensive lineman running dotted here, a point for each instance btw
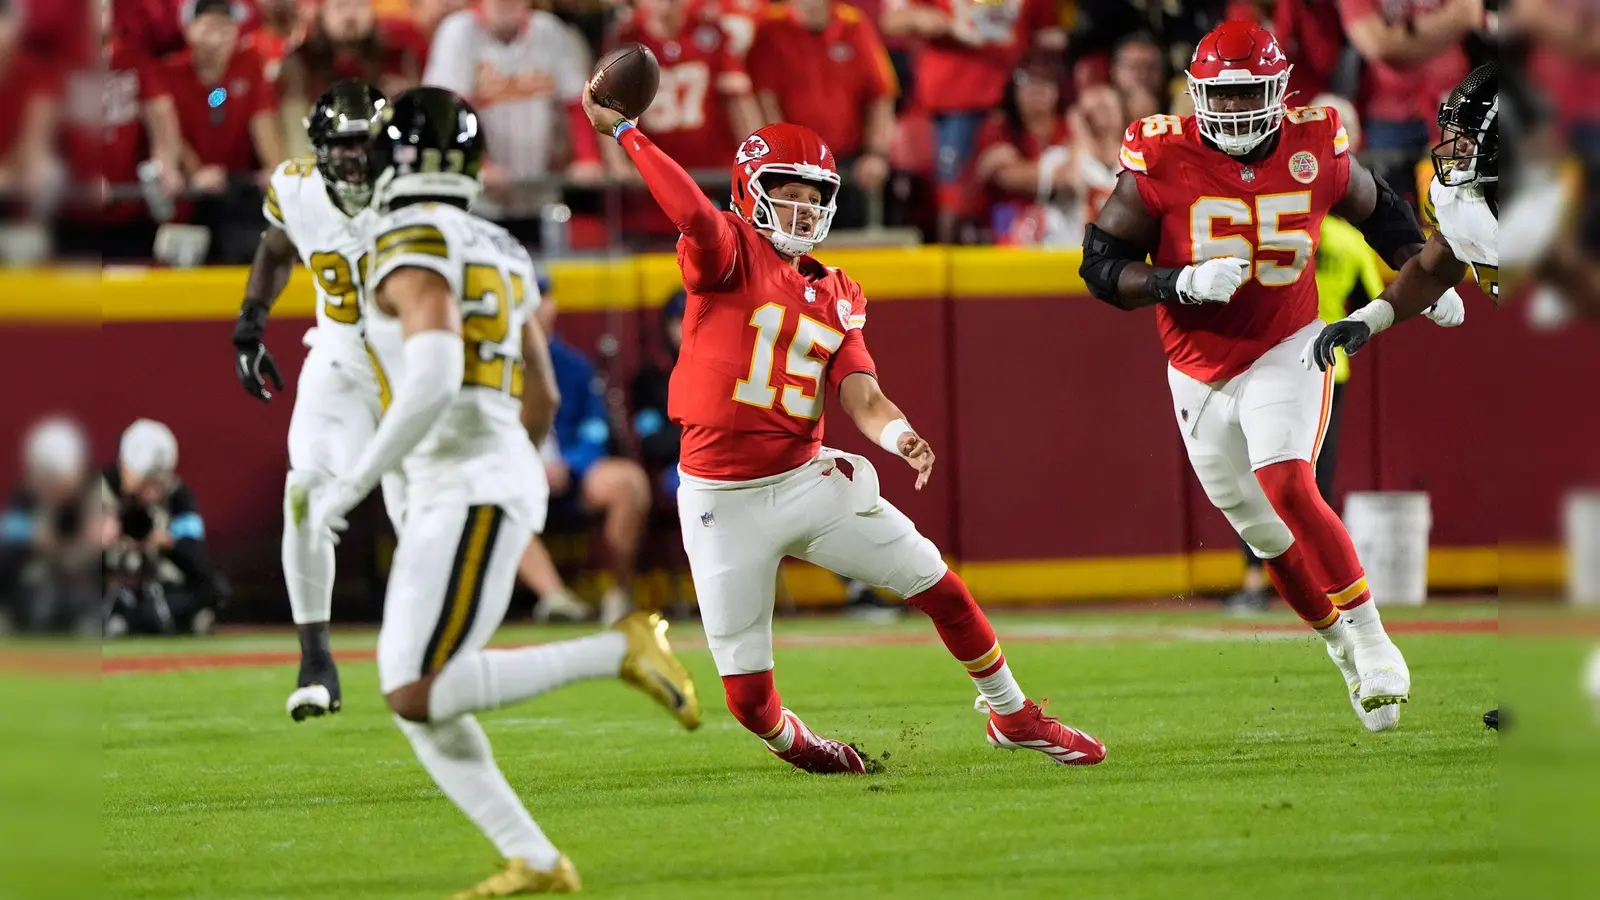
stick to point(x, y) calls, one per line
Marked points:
point(1464, 207)
point(449, 314)
point(315, 209)
point(1228, 205)
point(768, 335)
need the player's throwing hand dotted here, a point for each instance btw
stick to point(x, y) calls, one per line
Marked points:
point(919, 454)
point(603, 118)
point(1213, 281)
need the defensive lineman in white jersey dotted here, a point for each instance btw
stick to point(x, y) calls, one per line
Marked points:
point(315, 209)
point(449, 309)
point(1463, 205)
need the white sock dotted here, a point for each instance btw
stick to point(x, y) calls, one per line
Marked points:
point(307, 572)
point(1001, 690)
point(457, 754)
point(490, 679)
point(1363, 622)
point(1337, 634)
point(784, 739)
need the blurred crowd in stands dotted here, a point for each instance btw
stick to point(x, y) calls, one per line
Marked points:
point(969, 121)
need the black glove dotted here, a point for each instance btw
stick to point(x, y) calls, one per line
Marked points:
point(251, 361)
point(1350, 334)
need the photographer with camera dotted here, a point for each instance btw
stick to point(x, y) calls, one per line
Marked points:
point(49, 581)
point(159, 578)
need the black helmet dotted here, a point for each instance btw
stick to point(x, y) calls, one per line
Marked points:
point(339, 126)
point(426, 144)
point(1472, 111)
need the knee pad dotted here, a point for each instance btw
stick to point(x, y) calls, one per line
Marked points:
point(297, 489)
point(1220, 481)
point(922, 570)
point(1269, 538)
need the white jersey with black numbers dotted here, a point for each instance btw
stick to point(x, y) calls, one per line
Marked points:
point(478, 453)
point(1463, 216)
point(330, 243)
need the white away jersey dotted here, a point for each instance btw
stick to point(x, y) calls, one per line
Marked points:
point(1463, 217)
point(329, 242)
point(479, 452)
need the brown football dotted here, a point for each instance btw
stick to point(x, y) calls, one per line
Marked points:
point(626, 79)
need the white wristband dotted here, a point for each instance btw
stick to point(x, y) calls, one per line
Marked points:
point(1376, 315)
point(890, 438)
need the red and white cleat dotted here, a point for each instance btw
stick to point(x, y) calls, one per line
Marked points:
point(1030, 729)
point(819, 755)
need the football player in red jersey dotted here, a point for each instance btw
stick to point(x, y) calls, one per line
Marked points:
point(705, 103)
point(1228, 204)
point(768, 334)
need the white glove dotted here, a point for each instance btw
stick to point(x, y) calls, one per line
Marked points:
point(1213, 281)
point(1449, 311)
point(330, 502)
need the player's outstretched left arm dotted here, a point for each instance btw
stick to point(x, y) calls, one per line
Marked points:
point(269, 275)
point(1428, 269)
point(430, 321)
point(878, 418)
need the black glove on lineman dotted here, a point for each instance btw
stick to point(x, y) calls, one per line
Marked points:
point(251, 361)
point(1350, 334)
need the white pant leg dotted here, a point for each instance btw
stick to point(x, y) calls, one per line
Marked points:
point(882, 548)
point(1218, 452)
point(734, 538)
point(335, 412)
point(449, 588)
point(1283, 409)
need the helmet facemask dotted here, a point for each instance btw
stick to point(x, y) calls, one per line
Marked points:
point(808, 222)
point(1237, 110)
point(344, 167)
point(1467, 156)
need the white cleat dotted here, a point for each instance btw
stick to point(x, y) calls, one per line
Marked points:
point(1385, 680)
point(311, 700)
point(1383, 718)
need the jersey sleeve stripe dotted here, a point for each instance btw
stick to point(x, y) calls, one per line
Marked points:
point(406, 235)
point(1341, 142)
point(1132, 160)
point(271, 207)
point(412, 248)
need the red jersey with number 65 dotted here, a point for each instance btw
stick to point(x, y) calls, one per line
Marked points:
point(762, 349)
point(1269, 212)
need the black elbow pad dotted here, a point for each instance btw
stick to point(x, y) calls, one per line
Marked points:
point(1392, 227)
point(1104, 257)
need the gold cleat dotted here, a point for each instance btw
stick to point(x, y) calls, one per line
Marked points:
point(651, 667)
point(517, 877)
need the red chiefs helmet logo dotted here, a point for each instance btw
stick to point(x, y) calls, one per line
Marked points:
point(753, 148)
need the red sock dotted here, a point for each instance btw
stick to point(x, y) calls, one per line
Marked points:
point(962, 626)
point(755, 703)
point(1299, 588)
point(1291, 487)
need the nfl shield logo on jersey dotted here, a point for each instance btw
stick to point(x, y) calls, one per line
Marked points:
point(707, 519)
point(1303, 167)
point(1247, 174)
point(811, 294)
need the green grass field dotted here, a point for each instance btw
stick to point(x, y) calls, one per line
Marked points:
point(1236, 770)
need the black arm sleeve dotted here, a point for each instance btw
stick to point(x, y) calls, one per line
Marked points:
point(1392, 229)
point(1104, 257)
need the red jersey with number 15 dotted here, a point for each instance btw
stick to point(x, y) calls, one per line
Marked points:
point(762, 349)
point(1269, 212)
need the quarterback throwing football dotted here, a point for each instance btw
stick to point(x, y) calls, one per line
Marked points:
point(769, 335)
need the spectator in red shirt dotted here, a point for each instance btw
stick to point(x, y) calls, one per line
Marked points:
point(704, 106)
point(28, 117)
point(116, 119)
point(283, 24)
point(1414, 59)
point(1312, 38)
point(820, 63)
point(343, 41)
point(228, 113)
point(962, 72)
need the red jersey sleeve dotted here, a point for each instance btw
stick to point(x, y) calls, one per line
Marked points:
point(1140, 149)
point(762, 62)
point(852, 355)
point(874, 58)
point(709, 247)
point(1341, 152)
